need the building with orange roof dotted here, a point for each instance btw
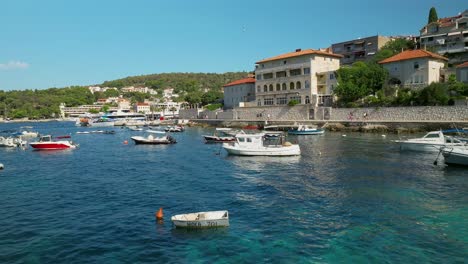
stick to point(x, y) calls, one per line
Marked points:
point(142, 108)
point(448, 36)
point(238, 92)
point(415, 68)
point(462, 72)
point(306, 76)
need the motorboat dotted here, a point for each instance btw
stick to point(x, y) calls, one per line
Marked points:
point(201, 219)
point(455, 155)
point(431, 142)
point(257, 145)
point(101, 122)
point(152, 140)
point(46, 143)
point(135, 128)
point(306, 130)
point(12, 142)
point(174, 129)
point(219, 137)
point(25, 132)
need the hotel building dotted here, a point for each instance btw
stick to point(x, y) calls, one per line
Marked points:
point(306, 76)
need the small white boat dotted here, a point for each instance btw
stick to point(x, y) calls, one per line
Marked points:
point(175, 129)
point(201, 219)
point(219, 137)
point(256, 145)
point(455, 155)
point(25, 132)
point(151, 140)
point(11, 142)
point(306, 130)
point(101, 122)
point(431, 142)
point(135, 128)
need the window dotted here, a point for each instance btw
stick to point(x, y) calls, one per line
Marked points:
point(241, 139)
point(281, 101)
point(278, 87)
point(298, 85)
point(332, 76)
point(249, 139)
point(265, 88)
point(283, 87)
point(307, 84)
point(268, 101)
point(267, 76)
point(270, 88)
point(416, 65)
point(307, 70)
point(259, 77)
point(307, 100)
point(295, 72)
point(259, 102)
point(259, 89)
point(291, 86)
point(281, 74)
point(284, 62)
point(430, 39)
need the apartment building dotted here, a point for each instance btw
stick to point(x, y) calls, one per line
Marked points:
point(306, 76)
point(462, 72)
point(448, 36)
point(415, 68)
point(359, 49)
point(238, 92)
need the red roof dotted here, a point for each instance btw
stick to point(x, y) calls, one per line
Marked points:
point(241, 81)
point(412, 54)
point(463, 65)
point(142, 104)
point(300, 53)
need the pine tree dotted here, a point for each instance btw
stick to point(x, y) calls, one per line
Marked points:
point(432, 15)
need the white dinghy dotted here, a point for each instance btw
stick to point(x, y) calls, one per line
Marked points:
point(201, 219)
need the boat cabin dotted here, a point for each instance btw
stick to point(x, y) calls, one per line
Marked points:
point(45, 138)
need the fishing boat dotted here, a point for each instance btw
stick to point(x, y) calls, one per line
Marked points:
point(201, 219)
point(455, 155)
point(431, 142)
point(152, 140)
point(46, 143)
point(218, 137)
point(306, 130)
point(257, 145)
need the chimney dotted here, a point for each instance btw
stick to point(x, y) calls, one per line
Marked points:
point(298, 50)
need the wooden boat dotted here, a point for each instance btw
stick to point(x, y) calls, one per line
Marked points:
point(46, 143)
point(201, 219)
point(257, 145)
point(306, 130)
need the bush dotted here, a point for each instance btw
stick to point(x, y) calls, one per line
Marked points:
point(293, 102)
point(213, 107)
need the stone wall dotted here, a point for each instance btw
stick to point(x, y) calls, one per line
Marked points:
point(191, 113)
point(298, 112)
point(416, 113)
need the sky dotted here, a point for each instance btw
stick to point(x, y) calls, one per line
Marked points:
point(59, 43)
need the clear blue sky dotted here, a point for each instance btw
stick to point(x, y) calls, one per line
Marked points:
point(58, 43)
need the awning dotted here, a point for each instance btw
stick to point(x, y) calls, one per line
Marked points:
point(359, 42)
point(454, 33)
point(438, 35)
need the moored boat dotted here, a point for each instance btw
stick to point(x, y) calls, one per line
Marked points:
point(306, 130)
point(174, 129)
point(152, 140)
point(455, 155)
point(431, 142)
point(11, 142)
point(256, 145)
point(46, 143)
point(219, 137)
point(201, 219)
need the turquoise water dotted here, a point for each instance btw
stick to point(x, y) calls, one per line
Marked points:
point(353, 199)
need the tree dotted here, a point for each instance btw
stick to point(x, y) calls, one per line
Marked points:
point(434, 94)
point(432, 15)
point(111, 93)
point(211, 97)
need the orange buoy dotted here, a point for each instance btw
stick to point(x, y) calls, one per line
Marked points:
point(159, 215)
point(125, 142)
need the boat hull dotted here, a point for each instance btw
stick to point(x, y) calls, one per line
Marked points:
point(201, 223)
point(145, 141)
point(50, 146)
point(455, 156)
point(293, 150)
point(422, 147)
point(310, 132)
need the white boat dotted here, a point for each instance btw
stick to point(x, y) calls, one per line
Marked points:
point(152, 140)
point(306, 130)
point(25, 132)
point(174, 129)
point(11, 142)
point(101, 122)
point(455, 155)
point(431, 142)
point(219, 136)
point(201, 219)
point(256, 145)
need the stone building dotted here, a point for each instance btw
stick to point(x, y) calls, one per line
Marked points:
point(238, 92)
point(449, 36)
point(415, 68)
point(359, 49)
point(306, 76)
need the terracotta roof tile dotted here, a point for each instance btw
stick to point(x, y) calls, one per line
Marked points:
point(241, 81)
point(412, 54)
point(463, 65)
point(300, 53)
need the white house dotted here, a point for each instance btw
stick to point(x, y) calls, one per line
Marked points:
point(307, 76)
point(142, 108)
point(239, 91)
point(414, 68)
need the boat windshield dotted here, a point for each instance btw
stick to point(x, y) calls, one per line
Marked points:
point(45, 139)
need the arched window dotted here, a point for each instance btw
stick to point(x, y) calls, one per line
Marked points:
point(271, 87)
point(265, 88)
point(291, 86)
point(307, 100)
point(298, 85)
point(284, 87)
point(278, 87)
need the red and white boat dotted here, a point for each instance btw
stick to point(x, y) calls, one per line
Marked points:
point(46, 143)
